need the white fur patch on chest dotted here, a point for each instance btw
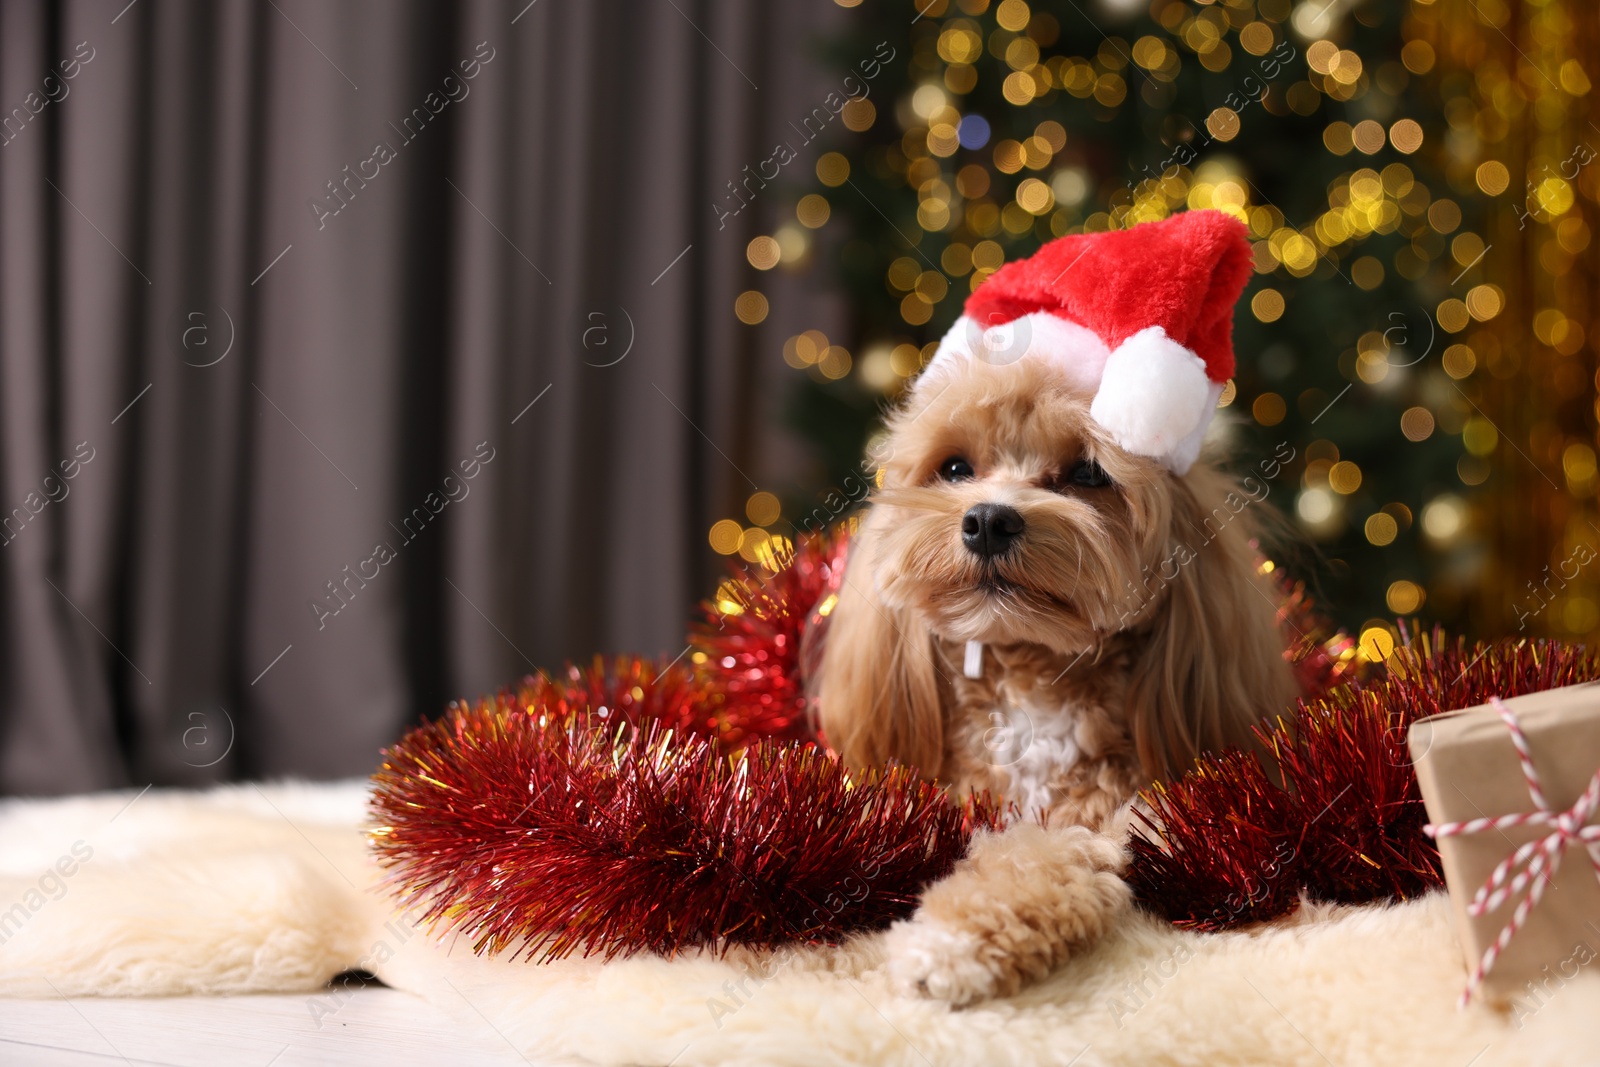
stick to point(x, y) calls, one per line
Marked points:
point(1034, 747)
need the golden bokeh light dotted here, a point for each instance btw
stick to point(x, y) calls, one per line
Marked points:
point(1012, 15)
point(1484, 301)
point(754, 544)
point(1406, 135)
point(1267, 305)
point(835, 363)
point(1376, 643)
point(1493, 177)
point(1578, 464)
point(1381, 529)
point(1417, 55)
point(1035, 196)
point(859, 114)
point(763, 253)
point(1256, 38)
point(1223, 124)
point(1444, 216)
point(1336, 137)
point(931, 286)
point(750, 307)
point(1367, 272)
point(725, 535)
point(1053, 134)
point(1452, 315)
point(1459, 361)
point(833, 169)
point(812, 210)
point(905, 359)
point(915, 311)
point(1404, 597)
point(1320, 56)
point(1417, 424)
point(1344, 477)
point(988, 255)
point(1467, 248)
point(762, 508)
point(1268, 409)
point(1368, 136)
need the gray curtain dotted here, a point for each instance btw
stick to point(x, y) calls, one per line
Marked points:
point(314, 409)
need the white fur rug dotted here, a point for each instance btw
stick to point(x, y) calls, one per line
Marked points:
point(268, 888)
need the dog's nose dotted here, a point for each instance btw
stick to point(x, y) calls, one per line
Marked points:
point(988, 530)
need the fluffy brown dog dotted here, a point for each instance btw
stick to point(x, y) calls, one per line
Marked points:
point(1124, 629)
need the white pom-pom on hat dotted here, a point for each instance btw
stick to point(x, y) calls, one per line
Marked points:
point(1153, 396)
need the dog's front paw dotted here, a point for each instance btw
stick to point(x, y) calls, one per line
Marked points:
point(930, 959)
point(1009, 913)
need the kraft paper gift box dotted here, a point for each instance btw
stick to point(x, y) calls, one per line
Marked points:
point(1468, 768)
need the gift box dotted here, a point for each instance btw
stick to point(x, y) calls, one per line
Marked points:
point(1511, 790)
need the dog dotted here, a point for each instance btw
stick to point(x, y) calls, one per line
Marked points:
point(1032, 610)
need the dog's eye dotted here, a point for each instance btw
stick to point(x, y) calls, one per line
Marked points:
point(1086, 474)
point(955, 469)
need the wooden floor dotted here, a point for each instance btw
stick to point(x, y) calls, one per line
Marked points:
point(367, 1025)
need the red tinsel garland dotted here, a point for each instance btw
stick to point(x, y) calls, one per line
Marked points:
point(623, 689)
point(1229, 844)
point(748, 642)
point(1323, 656)
point(530, 829)
point(551, 818)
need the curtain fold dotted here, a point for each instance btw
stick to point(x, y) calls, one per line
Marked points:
point(391, 351)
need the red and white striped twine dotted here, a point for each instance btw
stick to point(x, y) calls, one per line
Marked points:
point(1535, 863)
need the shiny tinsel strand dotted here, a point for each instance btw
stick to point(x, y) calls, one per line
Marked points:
point(1323, 657)
point(750, 642)
point(543, 832)
point(1333, 813)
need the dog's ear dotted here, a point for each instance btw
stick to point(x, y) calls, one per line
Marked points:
point(878, 694)
point(1214, 664)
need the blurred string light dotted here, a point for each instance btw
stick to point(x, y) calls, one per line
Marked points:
point(1499, 233)
point(1522, 138)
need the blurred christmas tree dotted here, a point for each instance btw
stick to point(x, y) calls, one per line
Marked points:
point(1363, 143)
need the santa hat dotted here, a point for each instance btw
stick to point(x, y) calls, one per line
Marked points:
point(1141, 319)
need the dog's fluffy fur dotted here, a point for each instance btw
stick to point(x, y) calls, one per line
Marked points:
point(1125, 631)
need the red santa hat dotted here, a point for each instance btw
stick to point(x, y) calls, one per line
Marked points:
point(1141, 319)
